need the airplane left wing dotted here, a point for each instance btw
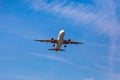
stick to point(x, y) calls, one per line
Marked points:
point(71, 42)
point(51, 41)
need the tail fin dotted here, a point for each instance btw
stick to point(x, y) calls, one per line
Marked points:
point(57, 49)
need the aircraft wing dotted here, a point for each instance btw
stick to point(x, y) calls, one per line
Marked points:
point(57, 49)
point(71, 42)
point(51, 41)
point(76, 42)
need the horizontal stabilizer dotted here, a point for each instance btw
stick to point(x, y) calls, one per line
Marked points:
point(57, 49)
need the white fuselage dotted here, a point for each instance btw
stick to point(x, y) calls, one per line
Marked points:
point(60, 40)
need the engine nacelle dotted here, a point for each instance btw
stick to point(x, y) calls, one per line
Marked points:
point(52, 38)
point(53, 45)
point(69, 39)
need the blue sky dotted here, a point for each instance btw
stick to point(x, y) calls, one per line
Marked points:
point(94, 22)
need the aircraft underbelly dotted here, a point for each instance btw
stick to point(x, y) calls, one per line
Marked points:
point(60, 40)
point(59, 43)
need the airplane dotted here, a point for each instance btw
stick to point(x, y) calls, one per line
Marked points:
point(57, 43)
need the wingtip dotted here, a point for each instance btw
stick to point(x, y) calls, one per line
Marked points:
point(81, 43)
point(36, 40)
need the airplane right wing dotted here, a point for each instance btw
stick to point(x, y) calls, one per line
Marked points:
point(71, 42)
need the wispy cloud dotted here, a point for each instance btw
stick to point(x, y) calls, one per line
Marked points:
point(102, 16)
point(103, 69)
point(113, 76)
point(50, 57)
point(81, 12)
point(99, 45)
point(77, 11)
point(64, 60)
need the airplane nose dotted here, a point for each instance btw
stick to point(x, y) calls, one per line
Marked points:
point(62, 31)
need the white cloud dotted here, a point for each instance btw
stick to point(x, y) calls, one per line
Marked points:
point(102, 16)
point(50, 57)
point(56, 58)
point(77, 11)
point(113, 76)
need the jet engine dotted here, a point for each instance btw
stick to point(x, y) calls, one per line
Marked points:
point(69, 39)
point(52, 38)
